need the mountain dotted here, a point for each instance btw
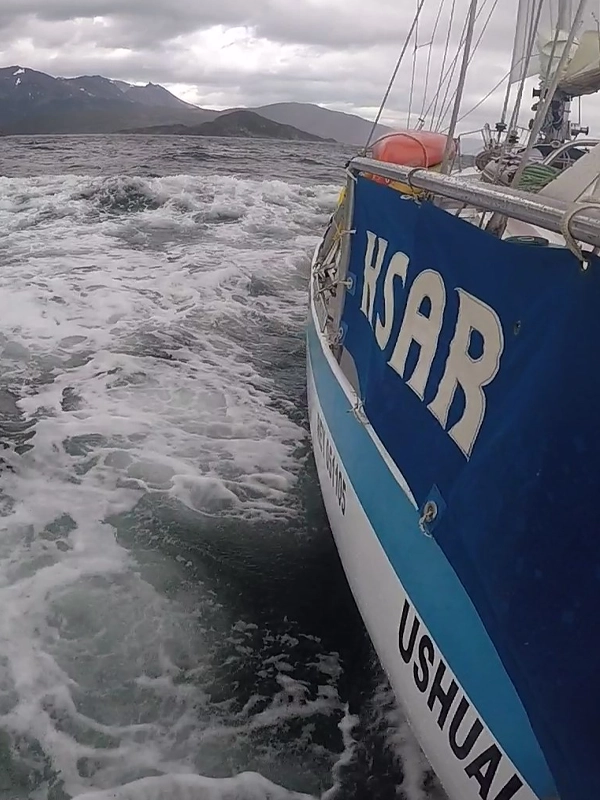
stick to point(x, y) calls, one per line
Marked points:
point(346, 128)
point(149, 95)
point(94, 86)
point(154, 95)
point(241, 123)
point(33, 102)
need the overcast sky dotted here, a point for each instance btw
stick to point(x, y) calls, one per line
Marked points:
point(221, 53)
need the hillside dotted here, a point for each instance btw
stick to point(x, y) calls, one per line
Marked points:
point(346, 128)
point(240, 123)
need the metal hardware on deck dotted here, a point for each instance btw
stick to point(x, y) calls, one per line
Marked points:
point(430, 512)
point(359, 413)
point(551, 157)
point(547, 213)
point(567, 225)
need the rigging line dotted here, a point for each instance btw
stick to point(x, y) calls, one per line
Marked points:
point(525, 61)
point(443, 78)
point(551, 59)
point(535, 23)
point(429, 55)
point(502, 120)
point(472, 19)
point(443, 67)
point(449, 73)
point(414, 70)
point(481, 102)
point(472, 54)
point(575, 23)
point(450, 76)
point(544, 106)
point(497, 222)
point(544, 80)
point(394, 74)
point(483, 99)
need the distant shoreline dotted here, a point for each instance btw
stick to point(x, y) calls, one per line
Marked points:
point(177, 136)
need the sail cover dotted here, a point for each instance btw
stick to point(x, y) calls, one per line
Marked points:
point(582, 72)
point(518, 495)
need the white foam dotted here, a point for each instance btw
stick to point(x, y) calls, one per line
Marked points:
point(404, 747)
point(347, 725)
point(248, 786)
point(72, 274)
point(130, 336)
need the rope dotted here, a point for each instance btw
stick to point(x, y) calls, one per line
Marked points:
point(394, 74)
point(536, 176)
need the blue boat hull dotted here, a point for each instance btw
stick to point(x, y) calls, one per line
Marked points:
point(429, 637)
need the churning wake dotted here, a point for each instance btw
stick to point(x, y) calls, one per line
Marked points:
point(159, 517)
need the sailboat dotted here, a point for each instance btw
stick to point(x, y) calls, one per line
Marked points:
point(453, 350)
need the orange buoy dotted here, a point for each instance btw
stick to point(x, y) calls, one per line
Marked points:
point(410, 149)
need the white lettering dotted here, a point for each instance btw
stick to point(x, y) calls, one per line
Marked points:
point(398, 266)
point(416, 327)
point(372, 271)
point(422, 326)
point(472, 374)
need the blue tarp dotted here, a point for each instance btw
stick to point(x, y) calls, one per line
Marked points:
point(519, 520)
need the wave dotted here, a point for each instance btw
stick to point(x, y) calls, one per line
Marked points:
point(247, 786)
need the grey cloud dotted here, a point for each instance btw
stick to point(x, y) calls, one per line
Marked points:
point(328, 24)
point(338, 52)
